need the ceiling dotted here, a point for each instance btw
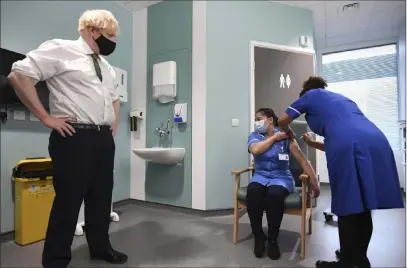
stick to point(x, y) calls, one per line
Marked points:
point(371, 21)
point(136, 5)
point(333, 26)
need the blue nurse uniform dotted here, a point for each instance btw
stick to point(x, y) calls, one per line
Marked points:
point(273, 166)
point(361, 166)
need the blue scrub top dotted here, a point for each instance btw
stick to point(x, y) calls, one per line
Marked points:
point(272, 167)
point(361, 165)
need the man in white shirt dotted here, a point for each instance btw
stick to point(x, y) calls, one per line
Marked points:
point(84, 116)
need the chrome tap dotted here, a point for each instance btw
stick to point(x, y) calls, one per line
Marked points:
point(161, 131)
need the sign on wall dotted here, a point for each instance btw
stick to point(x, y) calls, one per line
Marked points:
point(285, 81)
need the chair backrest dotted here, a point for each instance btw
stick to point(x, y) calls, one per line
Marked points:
point(296, 171)
point(300, 128)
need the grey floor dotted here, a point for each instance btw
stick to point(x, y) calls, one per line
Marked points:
point(158, 236)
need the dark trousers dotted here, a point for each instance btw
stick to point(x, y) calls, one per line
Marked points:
point(355, 232)
point(271, 199)
point(83, 171)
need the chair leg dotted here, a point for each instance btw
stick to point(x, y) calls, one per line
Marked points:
point(303, 228)
point(310, 223)
point(236, 222)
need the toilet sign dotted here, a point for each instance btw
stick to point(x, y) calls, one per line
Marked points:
point(288, 81)
point(285, 81)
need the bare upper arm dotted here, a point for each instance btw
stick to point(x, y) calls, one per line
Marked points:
point(296, 151)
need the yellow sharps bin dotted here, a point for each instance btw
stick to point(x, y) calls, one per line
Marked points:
point(34, 195)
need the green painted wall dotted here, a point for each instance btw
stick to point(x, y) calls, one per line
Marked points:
point(24, 26)
point(170, 39)
point(230, 27)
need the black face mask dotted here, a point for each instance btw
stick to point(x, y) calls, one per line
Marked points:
point(106, 46)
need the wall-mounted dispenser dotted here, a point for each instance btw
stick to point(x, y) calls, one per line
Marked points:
point(120, 83)
point(165, 81)
point(134, 116)
point(180, 113)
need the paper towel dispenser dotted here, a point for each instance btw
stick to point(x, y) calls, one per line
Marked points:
point(165, 81)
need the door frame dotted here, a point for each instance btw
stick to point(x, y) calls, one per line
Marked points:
point(253, 45)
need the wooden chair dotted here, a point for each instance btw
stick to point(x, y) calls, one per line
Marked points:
point(297, 203)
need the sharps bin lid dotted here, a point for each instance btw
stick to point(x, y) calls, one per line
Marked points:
point(39, 168)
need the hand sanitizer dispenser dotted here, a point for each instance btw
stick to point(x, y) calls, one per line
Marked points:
point(180, 113)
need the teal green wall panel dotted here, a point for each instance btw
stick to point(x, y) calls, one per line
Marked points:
point(24, 26)
point(230, 27)
point(170, 39)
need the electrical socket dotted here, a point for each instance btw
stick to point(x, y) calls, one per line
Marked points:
point(19, 115)
point(33, 117)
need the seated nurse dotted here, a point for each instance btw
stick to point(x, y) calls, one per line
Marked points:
point(272, 181)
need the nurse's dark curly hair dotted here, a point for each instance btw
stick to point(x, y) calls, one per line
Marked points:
point(269, 113)
point(313, 82)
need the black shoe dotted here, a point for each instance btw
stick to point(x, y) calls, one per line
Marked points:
point(332, 264)
point(327, 264)
point(273, 250)
point(110, 256)
point(338, 253)
point(260, 246)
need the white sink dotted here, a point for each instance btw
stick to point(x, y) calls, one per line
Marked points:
point(166, 156)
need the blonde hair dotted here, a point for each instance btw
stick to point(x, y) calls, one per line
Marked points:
point(99, 19)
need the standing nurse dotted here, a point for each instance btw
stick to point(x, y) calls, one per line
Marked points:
point(361, 166)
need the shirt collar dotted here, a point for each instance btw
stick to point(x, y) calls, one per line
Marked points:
point(82, 43)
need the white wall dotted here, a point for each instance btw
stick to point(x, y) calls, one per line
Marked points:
point(139, 96)
point(139, 101)
point(199, 105)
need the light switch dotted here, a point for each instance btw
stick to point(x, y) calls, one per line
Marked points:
point(33, 117)
point(235, 122)
point(19, 115)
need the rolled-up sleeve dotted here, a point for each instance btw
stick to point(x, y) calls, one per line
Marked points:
point(298, 108)
point(114, 94)
point(253, 138)
point(42, 63)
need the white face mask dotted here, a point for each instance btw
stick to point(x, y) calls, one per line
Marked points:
point(261, 127)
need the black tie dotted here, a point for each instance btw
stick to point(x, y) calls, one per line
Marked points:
point(97, 66)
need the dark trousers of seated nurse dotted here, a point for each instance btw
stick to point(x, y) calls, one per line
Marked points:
point(271, 199)
point(83, 171)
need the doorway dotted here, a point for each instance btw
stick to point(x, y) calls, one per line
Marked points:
point(277, 74)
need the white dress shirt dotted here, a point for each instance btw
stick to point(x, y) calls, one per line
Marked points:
point(75, 89)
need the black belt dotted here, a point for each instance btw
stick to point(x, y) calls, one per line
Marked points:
point(90, 127)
